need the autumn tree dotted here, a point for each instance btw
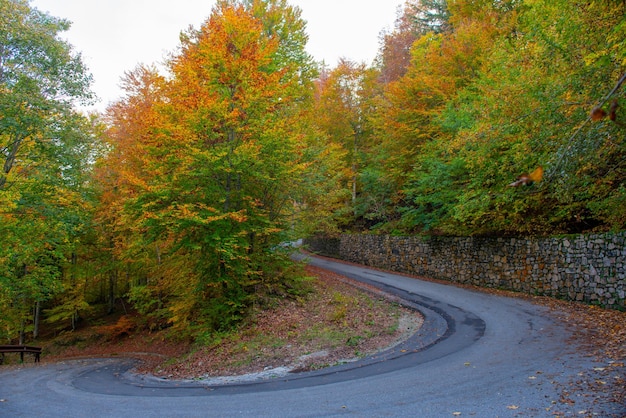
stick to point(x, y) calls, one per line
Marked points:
point(415, 19)
point(340, 112)
point(45, 148)
point(120, 175)
point(534, 100)
point(211, 168)
point(524, 102)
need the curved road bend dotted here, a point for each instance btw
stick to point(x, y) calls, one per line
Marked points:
point(476, 355)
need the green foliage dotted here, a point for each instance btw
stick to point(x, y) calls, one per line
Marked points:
point(433, 191)
point(149, 304)
point(521, 98)
point(75, 307)
point(212, 180)
point(45, 148)
point(375, 201)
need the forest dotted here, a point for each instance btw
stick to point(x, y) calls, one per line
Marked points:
point(478, 117)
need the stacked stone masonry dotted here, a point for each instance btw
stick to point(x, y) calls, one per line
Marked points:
point(586, 268)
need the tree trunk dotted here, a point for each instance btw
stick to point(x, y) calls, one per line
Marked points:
point(10, 160)
point(22, 332)
point(111, 291)
point(36, 315)
point(354, 166)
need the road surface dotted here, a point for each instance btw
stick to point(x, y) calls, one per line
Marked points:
point(477, 355)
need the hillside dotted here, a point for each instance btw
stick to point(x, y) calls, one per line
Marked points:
point(333, 323)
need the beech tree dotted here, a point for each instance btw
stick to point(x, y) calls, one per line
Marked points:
point(214, 173)
point(340, 106)
point(45, 146)
point(40, 78)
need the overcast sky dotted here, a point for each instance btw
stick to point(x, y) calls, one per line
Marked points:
point(116, 35)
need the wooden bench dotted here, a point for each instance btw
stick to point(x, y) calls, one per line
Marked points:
point(36, 351)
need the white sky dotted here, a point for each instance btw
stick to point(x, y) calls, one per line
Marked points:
point(116, 35)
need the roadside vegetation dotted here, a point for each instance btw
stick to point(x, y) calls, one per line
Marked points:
point(332, 323)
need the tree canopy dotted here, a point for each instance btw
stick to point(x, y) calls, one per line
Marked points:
point(498, 90)
point(481, 117)
point(211, 159)
point(45, 147)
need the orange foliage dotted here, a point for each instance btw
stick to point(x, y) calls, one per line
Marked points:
point(124, 327)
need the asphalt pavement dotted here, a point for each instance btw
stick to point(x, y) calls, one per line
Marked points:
point(476, 355)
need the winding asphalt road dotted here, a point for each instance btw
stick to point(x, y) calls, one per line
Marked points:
point(476, 355)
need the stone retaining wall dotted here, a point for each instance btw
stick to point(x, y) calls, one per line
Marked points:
point(588, 268)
